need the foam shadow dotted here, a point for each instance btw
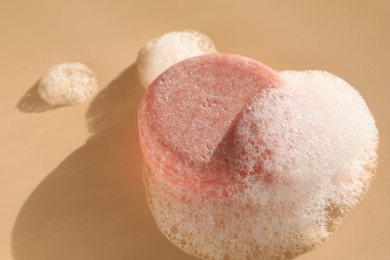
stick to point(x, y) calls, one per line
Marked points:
point(31, 102)
point(93, 205)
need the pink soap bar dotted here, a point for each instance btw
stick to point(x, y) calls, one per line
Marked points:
point(188, 111)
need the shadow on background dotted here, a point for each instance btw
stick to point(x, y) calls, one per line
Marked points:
point(93, 205)
point(31, 102)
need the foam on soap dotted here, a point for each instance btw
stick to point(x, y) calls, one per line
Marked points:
point(300, 155)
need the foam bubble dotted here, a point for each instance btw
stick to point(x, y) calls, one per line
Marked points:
point(159, 54)
point(68, 84)
point(308, 153)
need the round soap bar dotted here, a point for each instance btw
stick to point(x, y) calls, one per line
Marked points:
point(243, 162)
point(188, 110)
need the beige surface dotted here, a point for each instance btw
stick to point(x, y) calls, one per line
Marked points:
point(70, 178)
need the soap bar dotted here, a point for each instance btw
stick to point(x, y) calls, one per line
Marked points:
point(243, 162)
point(190, 108)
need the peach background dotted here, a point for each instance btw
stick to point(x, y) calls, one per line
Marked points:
point(70, 178)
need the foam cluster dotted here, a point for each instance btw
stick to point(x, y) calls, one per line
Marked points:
point(68, 84)
point(159, 54)
point(286, 165)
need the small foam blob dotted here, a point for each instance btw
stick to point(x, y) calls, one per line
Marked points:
point(68, 84)
point(159, 54)
point(300, 155)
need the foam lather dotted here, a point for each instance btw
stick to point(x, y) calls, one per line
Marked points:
point(243, 162)
point(69, 83)
point(159, 54)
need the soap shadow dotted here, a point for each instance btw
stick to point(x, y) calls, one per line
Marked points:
point(31, 102)
point(93, 205)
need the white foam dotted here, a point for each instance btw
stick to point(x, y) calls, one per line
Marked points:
point(308, 151)
point(159, 54)
point(68, 84)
